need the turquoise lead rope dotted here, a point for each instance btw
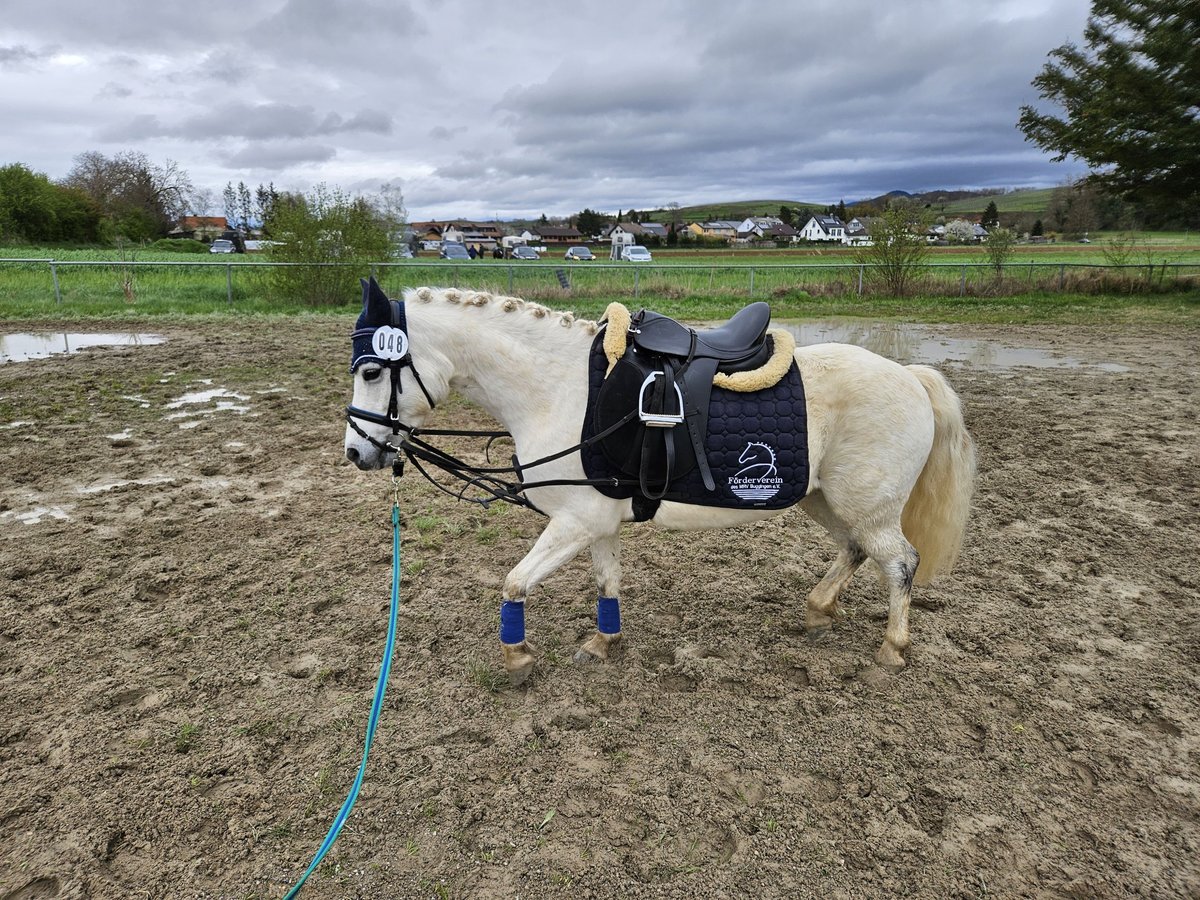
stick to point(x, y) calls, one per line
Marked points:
point(376, 707)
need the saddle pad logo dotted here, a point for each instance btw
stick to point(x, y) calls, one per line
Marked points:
point(758, 479)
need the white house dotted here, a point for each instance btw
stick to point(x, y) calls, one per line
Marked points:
point(758, 224)
point(823, 228)
point(858, 232)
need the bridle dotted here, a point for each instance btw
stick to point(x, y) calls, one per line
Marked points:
point(360, 339)
point(420, 452)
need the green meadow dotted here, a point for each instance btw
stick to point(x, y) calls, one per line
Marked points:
point(1064, 283)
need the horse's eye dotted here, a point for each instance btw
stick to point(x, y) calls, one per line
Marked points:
point(371, 374)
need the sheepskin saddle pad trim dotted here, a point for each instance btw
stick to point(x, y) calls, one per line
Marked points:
point(616, 335)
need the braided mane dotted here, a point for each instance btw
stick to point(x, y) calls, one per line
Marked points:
point(483, 299)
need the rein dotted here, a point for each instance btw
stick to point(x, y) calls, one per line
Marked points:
point(483, 478)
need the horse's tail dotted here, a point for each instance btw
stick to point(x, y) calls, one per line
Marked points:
point(935, 516)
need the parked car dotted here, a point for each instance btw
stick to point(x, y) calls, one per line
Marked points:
point(635, 253)
point(220, 245)
point(579, 253)
point(524, 253)
point(452, 250)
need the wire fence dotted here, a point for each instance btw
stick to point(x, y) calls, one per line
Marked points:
point(62, 281)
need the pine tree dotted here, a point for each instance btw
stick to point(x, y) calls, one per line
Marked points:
point(1128, 101)
point(991, 215)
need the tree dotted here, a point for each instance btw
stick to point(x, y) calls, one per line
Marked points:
point(389, 205)
point(1128, 101)
point(138, 199)
point(244, 206)
point(786, 216)
point(589, 222)
point(265, 199)
point(898, 250)
point(991, 215)
point(230, 199)
point(35, 209)
point(999, 246)
point(960, 231)
point(1038, 229)
point(841, 210)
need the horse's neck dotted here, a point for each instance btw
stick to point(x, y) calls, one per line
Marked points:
point(525, 371)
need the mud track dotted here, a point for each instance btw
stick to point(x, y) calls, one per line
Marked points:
point(193, 600)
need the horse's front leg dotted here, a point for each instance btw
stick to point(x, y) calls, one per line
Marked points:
point(606, 564)
point(558, 544)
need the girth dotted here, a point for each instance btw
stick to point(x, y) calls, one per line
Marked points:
point(662, 386)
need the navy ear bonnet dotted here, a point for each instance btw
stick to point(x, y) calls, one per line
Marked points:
point(378, 312)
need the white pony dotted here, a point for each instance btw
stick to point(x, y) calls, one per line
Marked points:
point(892, 465)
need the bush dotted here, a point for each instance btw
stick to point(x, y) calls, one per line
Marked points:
point(341, 234)
point(179, 245)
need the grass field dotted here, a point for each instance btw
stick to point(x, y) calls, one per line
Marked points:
point(1066, 283)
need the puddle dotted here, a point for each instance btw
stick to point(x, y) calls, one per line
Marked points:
point(194, 405)
point(196, 397)
point(35, 515)
point(106, 486)
point(921, 344)
point(26, 346)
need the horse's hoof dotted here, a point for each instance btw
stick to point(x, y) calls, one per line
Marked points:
point(518, 662)
point(597, 648)
point(890, 660)
point(517, 677)
point(817, 634)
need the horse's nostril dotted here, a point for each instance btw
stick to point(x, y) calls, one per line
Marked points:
point(352, 455)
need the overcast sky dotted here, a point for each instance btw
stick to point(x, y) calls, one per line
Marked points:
point(515, 109)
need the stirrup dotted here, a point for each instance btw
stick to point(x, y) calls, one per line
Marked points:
point(662, 419)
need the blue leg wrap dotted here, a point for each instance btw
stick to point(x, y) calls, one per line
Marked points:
point(608, 615)
point(512, 621)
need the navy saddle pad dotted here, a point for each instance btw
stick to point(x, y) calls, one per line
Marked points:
point(756, 445)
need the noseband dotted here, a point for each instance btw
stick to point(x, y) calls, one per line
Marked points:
point(388, 345)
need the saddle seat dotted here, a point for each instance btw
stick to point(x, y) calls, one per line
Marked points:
point(743, 336)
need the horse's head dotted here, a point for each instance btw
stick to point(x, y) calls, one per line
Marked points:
point(387, 401)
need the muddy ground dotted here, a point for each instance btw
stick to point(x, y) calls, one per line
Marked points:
point(193, 603)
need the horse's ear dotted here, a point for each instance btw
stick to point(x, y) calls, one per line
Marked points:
point(377, 309)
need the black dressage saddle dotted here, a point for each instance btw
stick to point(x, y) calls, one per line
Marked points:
point(656, 397)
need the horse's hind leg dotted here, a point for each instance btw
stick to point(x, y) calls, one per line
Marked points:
point(897, 560)
point(822, 609)
point(606, 563)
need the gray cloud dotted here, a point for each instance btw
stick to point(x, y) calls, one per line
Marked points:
point(480, 114)
point(20, 55)
point(268, 156)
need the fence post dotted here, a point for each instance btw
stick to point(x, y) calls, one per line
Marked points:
point(860, 279)
point(962, 282)
point(229, 282)
point(752, 282)
point(510, 279)
point(636, 289)
point(1062, 277)
point(54, 277)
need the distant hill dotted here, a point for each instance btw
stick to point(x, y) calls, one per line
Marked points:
point(957, 202)
point(734, 209)
point(1030, 200)
point(973, 203)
